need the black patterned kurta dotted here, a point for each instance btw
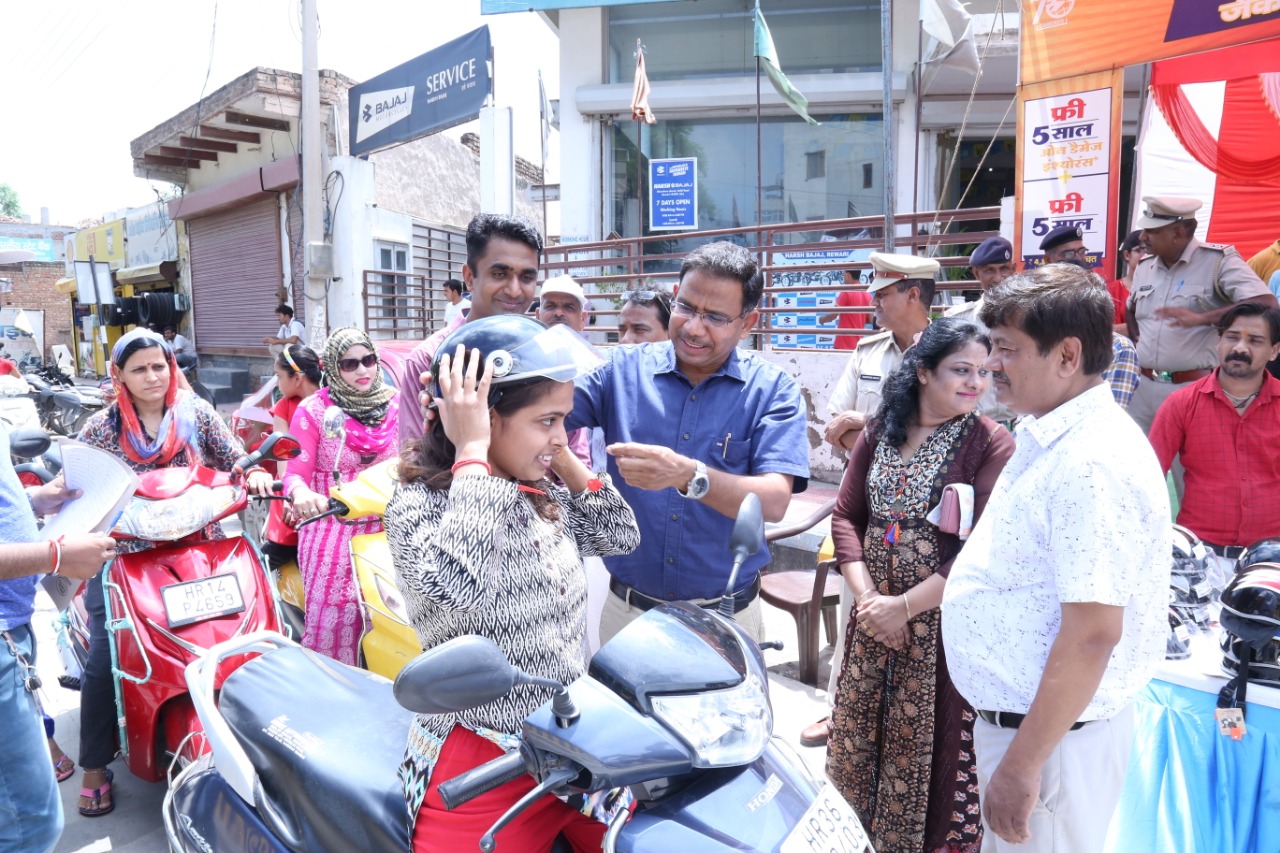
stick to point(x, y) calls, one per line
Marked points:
point(478, 559)
point(901, 747)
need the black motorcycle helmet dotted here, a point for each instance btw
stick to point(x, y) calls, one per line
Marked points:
point(1264, 666)
point(1190, 555)
point(1251, 604)
point(1178, 644)
point(1263, 551)
point(518, 348)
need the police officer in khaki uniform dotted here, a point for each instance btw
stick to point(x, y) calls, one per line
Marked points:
point(1179, 292)
point(901, 293)
point(991, 263)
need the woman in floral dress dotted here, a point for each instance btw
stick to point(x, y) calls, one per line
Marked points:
point(901, 748)
point(354, 396)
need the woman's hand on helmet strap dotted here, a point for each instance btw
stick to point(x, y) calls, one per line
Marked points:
point(463, 403)
point(569, 468)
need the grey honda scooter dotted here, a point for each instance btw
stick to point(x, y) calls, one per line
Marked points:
point(674, 710)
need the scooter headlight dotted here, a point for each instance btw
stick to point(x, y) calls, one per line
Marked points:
point(725, 728)
point(176, 517)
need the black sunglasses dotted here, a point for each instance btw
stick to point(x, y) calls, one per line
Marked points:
point(644, 297)
point(349, 364)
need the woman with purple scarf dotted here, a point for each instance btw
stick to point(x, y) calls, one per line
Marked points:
point(369, 410)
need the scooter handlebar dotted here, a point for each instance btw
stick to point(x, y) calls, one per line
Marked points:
point(482, 779)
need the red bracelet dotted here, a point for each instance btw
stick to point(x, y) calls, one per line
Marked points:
point(462, 462)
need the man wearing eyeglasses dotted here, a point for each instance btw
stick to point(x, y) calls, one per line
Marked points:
point(1066, 242)
point(1180, 291)
point(694, 425)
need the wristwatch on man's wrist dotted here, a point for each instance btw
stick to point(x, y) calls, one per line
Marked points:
point(699, 484)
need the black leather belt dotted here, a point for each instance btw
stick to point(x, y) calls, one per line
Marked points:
point(640, 601)
point(1006, 720)
point(1229, 552)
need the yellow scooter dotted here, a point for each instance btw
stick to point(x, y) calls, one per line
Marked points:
point(389, 641)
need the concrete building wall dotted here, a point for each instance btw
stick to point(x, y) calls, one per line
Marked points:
point(33, 289)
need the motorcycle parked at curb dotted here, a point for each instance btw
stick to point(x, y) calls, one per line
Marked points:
point(687, 732)
point(167, 605)
point(63, 406)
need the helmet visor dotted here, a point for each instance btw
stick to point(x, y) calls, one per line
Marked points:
point(557, 353)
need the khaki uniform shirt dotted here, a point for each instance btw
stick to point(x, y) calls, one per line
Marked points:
point(988, 405)
point(1187, 284)
point(875, 357)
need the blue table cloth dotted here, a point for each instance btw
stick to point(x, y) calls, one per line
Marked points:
point(1191, 790)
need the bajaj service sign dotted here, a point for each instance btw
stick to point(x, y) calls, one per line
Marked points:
point(441, 88)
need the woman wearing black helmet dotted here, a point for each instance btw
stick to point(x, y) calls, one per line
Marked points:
point(484, 543)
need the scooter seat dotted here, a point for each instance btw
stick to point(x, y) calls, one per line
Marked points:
point(327, 741)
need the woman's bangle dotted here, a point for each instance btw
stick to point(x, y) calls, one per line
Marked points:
point(462, 463)
point(907, 605)
point(55, 554)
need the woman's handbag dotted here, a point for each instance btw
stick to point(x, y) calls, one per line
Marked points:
point(954, 512)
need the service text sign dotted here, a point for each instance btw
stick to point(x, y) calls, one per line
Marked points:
point(441, 88)
point(673, 194)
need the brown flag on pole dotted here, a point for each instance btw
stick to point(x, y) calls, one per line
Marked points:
point(640, 110)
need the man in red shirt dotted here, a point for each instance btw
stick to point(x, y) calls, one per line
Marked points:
point(1224, 427)
point(850, 320)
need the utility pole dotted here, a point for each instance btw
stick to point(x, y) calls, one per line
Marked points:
point(316, 260)
point(886, 62)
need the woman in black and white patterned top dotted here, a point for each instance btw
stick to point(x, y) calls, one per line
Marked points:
point(484, 543)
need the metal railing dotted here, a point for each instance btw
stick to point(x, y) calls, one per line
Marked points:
point(399, 305)
point(610, 266)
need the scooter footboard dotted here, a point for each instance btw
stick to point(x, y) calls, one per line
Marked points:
point(754, 807)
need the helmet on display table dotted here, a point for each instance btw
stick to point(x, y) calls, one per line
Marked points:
point(1190, 588)
point(1178, 644)
point(1263, 551)
point(1251, 619)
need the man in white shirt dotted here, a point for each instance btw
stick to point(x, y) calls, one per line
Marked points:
point(291, 331)
point(183, 351)
point(453, 295)
point(1054, 615)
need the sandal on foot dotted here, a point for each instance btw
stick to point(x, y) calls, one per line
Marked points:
point(64, 768)
point(95, 795)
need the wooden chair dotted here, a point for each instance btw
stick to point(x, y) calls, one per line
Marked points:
point(808, 595)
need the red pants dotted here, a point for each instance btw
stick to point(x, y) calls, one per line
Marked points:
point(533, 831)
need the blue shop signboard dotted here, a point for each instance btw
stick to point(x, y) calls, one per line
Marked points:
point(673, 194)
point(439, 89)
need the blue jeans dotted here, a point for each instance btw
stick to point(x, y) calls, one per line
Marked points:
point(30, 808)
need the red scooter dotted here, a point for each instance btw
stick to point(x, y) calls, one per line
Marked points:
point(167, 605)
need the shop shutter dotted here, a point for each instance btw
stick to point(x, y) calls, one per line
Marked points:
point(235, 275)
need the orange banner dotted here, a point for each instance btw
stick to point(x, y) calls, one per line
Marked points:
point(1068, 165)
point(1063, 38)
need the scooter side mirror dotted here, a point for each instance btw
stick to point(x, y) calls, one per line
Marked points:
point(748, 528)
point(281, 446)
point(28, 443)
point(455, 676)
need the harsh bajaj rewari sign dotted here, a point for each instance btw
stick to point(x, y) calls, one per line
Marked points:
point(437, 90)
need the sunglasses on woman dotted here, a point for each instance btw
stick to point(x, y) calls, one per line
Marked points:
point(644, 297)
point(346, 365)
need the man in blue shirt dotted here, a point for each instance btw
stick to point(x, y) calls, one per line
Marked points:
point(693, 425)
point(30, 809)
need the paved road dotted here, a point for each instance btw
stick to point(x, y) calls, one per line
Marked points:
point(136, 827)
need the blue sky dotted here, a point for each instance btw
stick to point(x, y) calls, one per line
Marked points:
point(82, 79)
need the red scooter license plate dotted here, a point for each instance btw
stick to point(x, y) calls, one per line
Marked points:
point(207, 598)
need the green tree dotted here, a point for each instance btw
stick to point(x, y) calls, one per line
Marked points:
point(9, 204)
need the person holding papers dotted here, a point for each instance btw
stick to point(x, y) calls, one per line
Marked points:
point(30, 809)
point(153, 423)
